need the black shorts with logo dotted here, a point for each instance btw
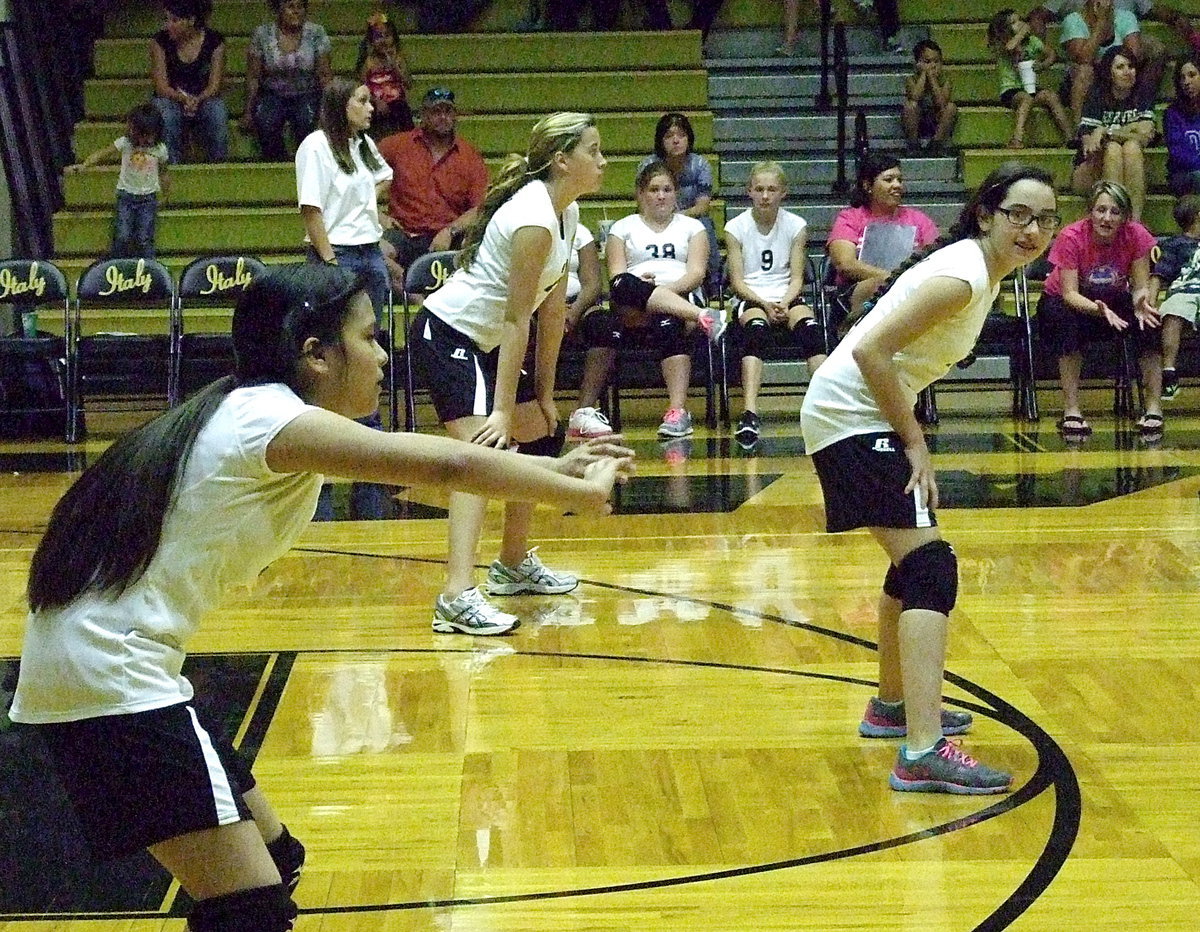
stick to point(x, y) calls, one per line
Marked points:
point(863, 479)
point(461, 378)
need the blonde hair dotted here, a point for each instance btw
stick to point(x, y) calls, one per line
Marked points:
point(559, 132)
point(768, 167)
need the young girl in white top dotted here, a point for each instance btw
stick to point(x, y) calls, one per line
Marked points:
point(340, 177)
point(469, 341)
point(766, 249)
point(657, 259)
point(876, 471)
point(200, 499)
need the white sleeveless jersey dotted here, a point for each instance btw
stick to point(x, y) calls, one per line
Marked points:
point(664, 254)
point(766, 258)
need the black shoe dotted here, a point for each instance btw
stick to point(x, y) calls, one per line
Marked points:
point(748, 426)
point(1170, 386)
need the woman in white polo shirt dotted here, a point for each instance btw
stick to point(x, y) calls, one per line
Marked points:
point(470, 339)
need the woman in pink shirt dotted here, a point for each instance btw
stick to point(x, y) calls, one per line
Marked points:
point(1098, 289)
point(876, 198)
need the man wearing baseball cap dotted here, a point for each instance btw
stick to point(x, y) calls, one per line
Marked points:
point(438, 183)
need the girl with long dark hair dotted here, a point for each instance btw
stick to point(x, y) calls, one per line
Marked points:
point(198, 500)
point(876, 471)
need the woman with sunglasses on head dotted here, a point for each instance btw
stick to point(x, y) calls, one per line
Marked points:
point(1098, 289)
point(197, 501)
point(876, 470)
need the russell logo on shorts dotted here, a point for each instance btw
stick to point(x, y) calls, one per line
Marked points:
point(883, 445)
point(459, 353)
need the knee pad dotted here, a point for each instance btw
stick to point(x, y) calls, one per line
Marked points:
point(756, 337)
point(808, 338)
point(628, 290)
point(288, 855)
point(600, 328)
point(670, 337)
point(928, 578)
point(891, 583)
point(263, 909)
point(550, 445)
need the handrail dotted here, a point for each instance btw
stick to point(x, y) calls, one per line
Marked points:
point(824, 101)
point(841, 73)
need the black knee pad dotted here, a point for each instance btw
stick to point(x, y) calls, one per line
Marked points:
point(669, 335)
point(600, 328)
point(928, 578)
point(808, 338)
point(550, 445)
point(891, 583)
point(627, 290)
point(263, 909)
point(288, 855)
point(756, 337)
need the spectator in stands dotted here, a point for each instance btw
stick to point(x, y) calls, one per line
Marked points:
point(876, 198)
point(1181, 126)
point(382, 67)
point(657, 258)
point(1117, 125)
point(767, 256)
point(1098, 288)
point(1012, 43)
point(1178, 270)
point(187, 66)
point(287, 67)
point(928, 111)
point(438, 182)
point(674, 145)
point(886, 13)
point(1152, 55)
point(143, 158)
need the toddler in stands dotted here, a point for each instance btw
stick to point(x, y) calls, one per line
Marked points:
point(1019, 56)
point(383, 69)
point(143, 157)
point(1178, 269)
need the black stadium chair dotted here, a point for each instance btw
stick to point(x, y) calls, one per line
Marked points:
point(33, 364)
point(424, 276)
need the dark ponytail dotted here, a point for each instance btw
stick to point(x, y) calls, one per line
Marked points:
point(105, 530)
point(986, 199)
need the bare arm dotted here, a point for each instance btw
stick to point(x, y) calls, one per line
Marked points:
point(589, 284)
point(158, 75)
point(700, 208)
point(1142, 131)
point(1074, 298)
point(551, 324)
point(324, 70)
point(327, 443)
point(933, 302)
point(844, 256)
point(314, 226)
point(216, 75)
point(253, 77)
point(697, 266)
point(737, 272)
point(797, 262)
point(105, 156)
point(614, 254)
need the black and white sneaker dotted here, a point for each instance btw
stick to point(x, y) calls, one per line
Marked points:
point(1170, 386)
point(747, 431)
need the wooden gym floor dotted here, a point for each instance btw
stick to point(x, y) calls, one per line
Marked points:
point(674, 746)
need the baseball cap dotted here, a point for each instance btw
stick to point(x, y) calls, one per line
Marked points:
point(437, 95)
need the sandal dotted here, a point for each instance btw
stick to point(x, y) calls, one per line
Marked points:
point(1072, 425)
point(1150, 426)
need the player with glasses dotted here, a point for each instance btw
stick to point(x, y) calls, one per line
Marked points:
point(876, 470)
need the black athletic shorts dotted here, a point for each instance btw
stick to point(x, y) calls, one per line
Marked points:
point(461, 378)
point(863, 479)
point(135, 780)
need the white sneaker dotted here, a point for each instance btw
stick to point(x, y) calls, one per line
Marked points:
point(471, 613)
point(712, 323)
point(586, 423)
point(530, 575)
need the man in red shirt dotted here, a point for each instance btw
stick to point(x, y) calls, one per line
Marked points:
point(438, 183)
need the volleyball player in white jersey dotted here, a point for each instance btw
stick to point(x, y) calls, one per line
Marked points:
point(657, 260)
point(876, 471)
point(470, 339)
point(766, 250)
point(196, 501)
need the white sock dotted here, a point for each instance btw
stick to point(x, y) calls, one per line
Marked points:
point(916, 755)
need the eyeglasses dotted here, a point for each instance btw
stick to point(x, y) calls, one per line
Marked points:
point(1021, 216)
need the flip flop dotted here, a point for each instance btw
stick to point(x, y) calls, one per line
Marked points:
point(1072, 425)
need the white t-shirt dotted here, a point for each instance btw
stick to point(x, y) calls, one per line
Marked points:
point(474, 301)
point(838, 403)
point(348, 204)
point(1061, 8)
point(140, 166)
point(583, 236)
point(766, 258)
point(232, 517)
point(665, 254)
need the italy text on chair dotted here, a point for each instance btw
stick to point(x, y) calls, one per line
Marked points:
point(122, 363)
point(425, 275)
point(202, 354)
point(33, 362)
